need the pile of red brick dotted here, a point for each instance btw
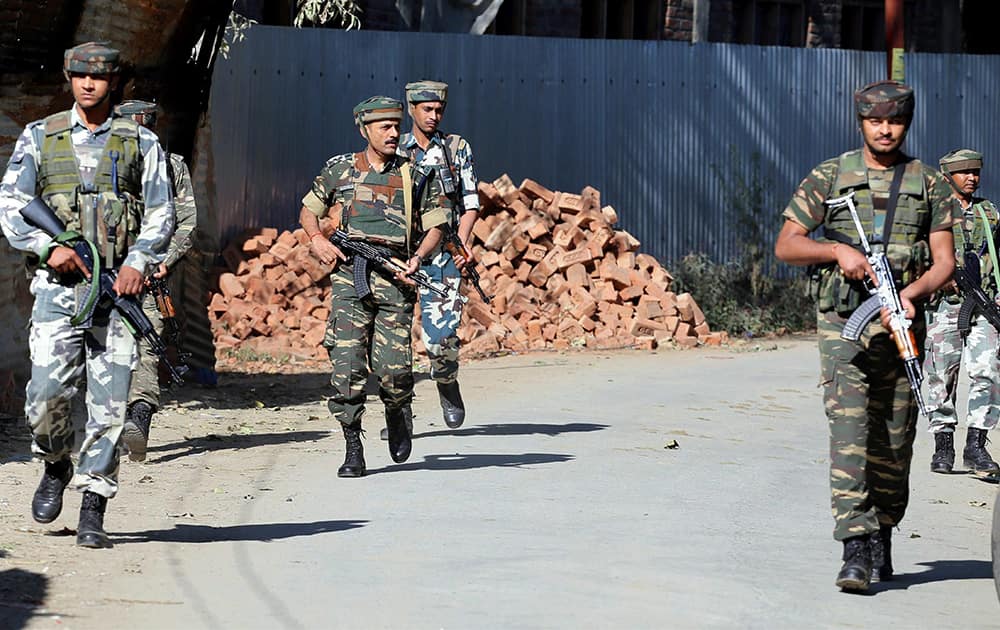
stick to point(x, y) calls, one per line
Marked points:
point(559, 274)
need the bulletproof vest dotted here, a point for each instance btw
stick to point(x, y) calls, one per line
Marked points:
point(970, 235)
point(364, 215)
point(906, 249)
point(110, 221)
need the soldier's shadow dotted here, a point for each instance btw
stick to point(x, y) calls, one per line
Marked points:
point(232, 441)
point(938, 571)
point(260, 532)
point(515, 428)
point(22, 597)
point(467, 462)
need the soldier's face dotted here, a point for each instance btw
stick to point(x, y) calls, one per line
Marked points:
point(883, 136)
point(966, 181)
point(427, 116)
point(383, 136)
point(91, 90)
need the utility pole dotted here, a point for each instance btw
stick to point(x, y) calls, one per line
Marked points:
point(894, 40)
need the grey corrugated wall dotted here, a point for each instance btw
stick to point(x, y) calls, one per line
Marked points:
point(649, 124)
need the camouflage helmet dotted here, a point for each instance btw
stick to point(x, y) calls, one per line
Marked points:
point(91, 58)
point(377, 108)
point(961, 160)
point(884, 99)
point(135, 109)
point(426, 91)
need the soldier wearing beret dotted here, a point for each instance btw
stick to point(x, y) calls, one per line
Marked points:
point(68, 160)
point(906, 208)
point(450, 157)
point(973, 233)
point(367, 194)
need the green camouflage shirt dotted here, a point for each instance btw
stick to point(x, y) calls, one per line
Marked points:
point(184, 206)
point(373, 208)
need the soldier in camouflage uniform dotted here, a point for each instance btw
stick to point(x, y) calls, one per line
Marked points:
point(871, 410)
point(450, 156)
point(973, 233)
point(67, 159)
point(144, 397)
point(368, 194)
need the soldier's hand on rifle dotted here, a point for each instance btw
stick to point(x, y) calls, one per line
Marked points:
point(327, 252)
point(129, 281)
point(411, 267)
point(911, 312)
point(65, 260)
point(853, 264)
point(161, 271)
point(465, 256)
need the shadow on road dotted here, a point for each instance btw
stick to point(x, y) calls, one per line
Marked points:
point(262, 532)
point(939, 571)
point(22, 593)
point(232, 441)
point(466, 462)
point(515, 428)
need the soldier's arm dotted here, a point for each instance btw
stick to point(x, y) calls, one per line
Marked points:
point(466, 165)
point(940, 273)
point(17, 189)
point(320, 201)
point(186, 212)
point(159, 218)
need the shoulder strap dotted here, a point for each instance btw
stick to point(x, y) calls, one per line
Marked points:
point(407, 172)
point(990, 244)
point(890, 209)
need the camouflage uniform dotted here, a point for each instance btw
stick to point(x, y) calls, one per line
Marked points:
point(373, 332)
point(871, 411)
point(451, 157)
point(103, 350)
point(946, 349)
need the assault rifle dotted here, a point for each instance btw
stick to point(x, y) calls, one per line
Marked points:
point(365, 253)
point(886, 296)
point(38, 214)
point(969, 280)
point(453, 244)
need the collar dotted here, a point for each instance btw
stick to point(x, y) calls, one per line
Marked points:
point(77, 121)
point(366, 165)
point(409, 140)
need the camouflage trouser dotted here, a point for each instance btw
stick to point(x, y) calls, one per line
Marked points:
point(440, 316)
point(945, 353)
point(61, 355)
point(146, 378)
point(372, 332)
point(873, 421)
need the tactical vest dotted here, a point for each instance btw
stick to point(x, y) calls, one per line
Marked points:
point(110, 221)
point(907, 249)
point(357, 217)
point(975, 240)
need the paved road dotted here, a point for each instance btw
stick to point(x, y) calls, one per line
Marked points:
point(558, 506)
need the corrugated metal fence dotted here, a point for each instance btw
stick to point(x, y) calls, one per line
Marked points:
point(662, 129)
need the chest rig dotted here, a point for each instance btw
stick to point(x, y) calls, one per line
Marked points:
point(361, 217)
point(108, 212)
point(905, 244)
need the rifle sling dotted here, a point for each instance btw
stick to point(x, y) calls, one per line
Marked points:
point(991, 245)
point(890, 209)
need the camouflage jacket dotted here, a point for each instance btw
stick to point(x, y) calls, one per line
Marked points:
point(187, 211)
point(20, 184)
point(372, 202)
point(452, 156)
point(924, 205)
point(970, 235)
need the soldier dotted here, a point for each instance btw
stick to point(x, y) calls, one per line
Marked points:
point(451, 158)
point(906, 208)
point(973, 232)
point(68, 159)
point(144, 396)
point(366, 194)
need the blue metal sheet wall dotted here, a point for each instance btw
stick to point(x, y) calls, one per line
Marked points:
point(652, 125)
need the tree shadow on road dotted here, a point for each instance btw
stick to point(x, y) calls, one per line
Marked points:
point(517, 428)
point(466, 462)
point(261, 532)
point(22, 595)
point(939, 571)
point(233, 441)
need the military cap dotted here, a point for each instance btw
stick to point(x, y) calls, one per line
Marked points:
point(884, 99)
point(424, 91)
point(961, 160)
point(91, 58)
point(378, 108)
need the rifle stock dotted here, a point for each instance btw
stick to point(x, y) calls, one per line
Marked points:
point(454, 246)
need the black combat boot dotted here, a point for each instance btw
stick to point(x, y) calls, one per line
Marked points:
point(400, 443)
point(90, 532)
point(452, 406)
point(384, 433)
point(855, 575)
point(135, 433)
point(975, 456)
point(943, 459)
point(47, 502)
point(881, 546)
point(354, 459)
